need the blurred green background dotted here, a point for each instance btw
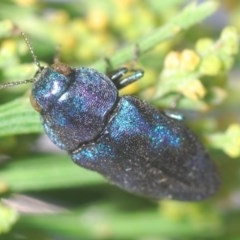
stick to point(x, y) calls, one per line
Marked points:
point(187, 49)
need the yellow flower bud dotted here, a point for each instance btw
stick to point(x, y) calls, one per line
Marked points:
point(189, 60)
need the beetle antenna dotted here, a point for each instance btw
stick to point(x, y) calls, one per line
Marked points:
point(35, 59)
point(12, 84)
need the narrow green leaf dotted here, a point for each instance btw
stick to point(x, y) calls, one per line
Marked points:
point(45, 172)
point(99, 223)
point(18, 117)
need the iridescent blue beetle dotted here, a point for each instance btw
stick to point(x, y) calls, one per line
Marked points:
point(135, 146)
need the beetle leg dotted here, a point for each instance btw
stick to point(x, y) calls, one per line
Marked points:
point(136, 74)
point(120, 81)
point(116, 75)
point(174, 114)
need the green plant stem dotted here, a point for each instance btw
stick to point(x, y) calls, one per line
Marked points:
point(190, 16)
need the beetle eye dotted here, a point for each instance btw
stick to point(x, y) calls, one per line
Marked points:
point(35, 104)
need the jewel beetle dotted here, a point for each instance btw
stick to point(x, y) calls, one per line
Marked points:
point(135, 146)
